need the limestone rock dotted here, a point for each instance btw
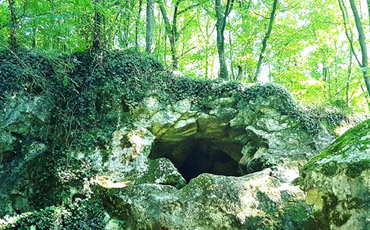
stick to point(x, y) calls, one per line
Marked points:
point(6, 147)
point(175, 154)
point(6, 142)
point(256, 201)
point(159, 171)
point(337, 181)
point(25, 115)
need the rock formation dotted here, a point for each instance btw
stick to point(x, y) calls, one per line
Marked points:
point(337, 181)
point(126, 145)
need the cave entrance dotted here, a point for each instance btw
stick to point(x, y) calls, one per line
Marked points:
point(194, 156)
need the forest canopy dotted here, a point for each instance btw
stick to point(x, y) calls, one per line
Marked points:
point(316, 48)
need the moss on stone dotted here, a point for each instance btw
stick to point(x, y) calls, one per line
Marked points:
point(355, 139)
point(90, 97)
point(355, 169)
point(330, 169)
point(118, 81)
point(339, 174)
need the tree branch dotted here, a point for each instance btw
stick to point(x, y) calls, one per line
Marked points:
point(190, 7)
point(345, 18)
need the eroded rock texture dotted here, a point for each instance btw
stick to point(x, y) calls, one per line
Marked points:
point(173, 154)
point(337, 181)
point(256, 201)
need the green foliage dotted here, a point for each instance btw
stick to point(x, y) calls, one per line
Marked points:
point(354, 170)
point(24, 70)
point(88, 92)
point(312, 60)
point(92, 94)
point(49, 183)
point(80, 214)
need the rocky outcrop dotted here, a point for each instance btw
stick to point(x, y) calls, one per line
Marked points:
point(255, 201)
point(246, 138)
point(173, 154)
point(337, 181)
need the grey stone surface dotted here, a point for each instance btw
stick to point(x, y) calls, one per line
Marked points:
point(337, 181)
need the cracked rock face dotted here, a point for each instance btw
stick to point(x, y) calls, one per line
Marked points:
point(337, 181)
point(178, 165)
point(246, 140)
point(238, 164)
point(255, 201)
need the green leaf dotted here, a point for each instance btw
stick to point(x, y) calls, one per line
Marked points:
point(65, 81)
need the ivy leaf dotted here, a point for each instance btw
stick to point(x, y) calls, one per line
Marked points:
point(65, 81)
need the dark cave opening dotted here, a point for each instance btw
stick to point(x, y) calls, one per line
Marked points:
point(204, 160)
point(193, 157)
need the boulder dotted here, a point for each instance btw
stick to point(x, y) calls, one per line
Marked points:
point(337, 181)
point(255, 201)
point(25, 115)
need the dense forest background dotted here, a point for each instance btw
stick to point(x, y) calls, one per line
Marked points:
point(315, 48)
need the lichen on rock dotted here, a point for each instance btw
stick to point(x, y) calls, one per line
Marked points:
point(211, 202)
point(337, 181)
point(140, 148)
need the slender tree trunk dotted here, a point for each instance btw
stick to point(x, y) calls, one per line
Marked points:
point(207, 37)
point(329, 85)
point(13, 25)
point(231, 57)
point(171, 30)
point(349, 78)
point(35, 34)
point(220, 41)
point(137, 25)
point(98, 27)
point(264, 41)
point(175, 35)
point(347, 29)
point(165, 46)
point(368, 9)
point(149, 26)
point(361, 39)
point(127, 30)
point(220, 28)
point(240, 73)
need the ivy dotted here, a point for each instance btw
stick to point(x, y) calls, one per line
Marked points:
point(82, 214)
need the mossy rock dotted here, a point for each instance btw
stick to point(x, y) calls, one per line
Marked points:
point(337, 181)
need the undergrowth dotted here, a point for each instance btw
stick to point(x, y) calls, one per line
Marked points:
point(80, 214)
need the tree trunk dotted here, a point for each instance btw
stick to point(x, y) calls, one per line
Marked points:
point(231, 57)
point(264, 41)
point(240, 73)
point(220, 28)
point(149, 26)
point(13, 26)
point(174, 36)
point(98, 28)
point(171, 30)
point(207, 37)
point(361, 39)
point(368, 9)
point(35, 34)
point(349, 78)
point(137, 25)
point(347, 29)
